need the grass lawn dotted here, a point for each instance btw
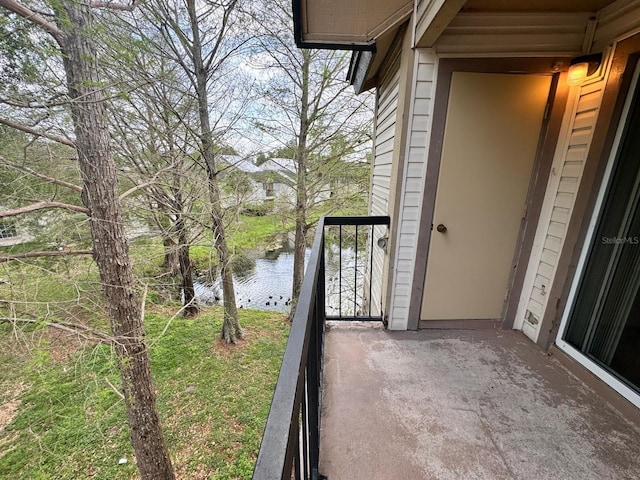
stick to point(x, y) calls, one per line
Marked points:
point(60, 415)
point(60, 418)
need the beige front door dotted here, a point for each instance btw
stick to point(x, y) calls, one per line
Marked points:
point(490, 142)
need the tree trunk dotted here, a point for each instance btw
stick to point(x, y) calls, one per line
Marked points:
point(301, 184)
point(186, 274)
point(111, 251)
point(231, 331)
point(170, 262)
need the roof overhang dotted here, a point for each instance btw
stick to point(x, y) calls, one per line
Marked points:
point(347, 25)
point(371, 25)
point(364, 64)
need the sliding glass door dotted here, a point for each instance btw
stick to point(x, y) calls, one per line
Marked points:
point(604, 321)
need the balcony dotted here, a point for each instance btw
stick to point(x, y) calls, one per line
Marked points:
point(355, 401)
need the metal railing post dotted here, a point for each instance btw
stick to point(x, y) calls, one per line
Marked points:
point(355, 275)
point(340, 271)
point(373, 229)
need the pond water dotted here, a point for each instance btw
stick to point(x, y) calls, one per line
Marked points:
point(265, 282)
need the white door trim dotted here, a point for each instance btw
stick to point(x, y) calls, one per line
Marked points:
point(546, 212)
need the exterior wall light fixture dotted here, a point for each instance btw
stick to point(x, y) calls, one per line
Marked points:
point(383, 242)
point(583, 67)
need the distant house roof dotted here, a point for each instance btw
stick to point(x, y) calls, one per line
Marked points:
point(285, 168)
point(244, 164)
point(283, 165)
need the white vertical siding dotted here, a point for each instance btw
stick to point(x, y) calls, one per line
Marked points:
point(381, 172)
point(420, 117)
point(383, 147)
point(568, 165)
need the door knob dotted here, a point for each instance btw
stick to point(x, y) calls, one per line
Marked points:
point(441, 228)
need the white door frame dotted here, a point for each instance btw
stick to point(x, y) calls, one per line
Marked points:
point(545, 217)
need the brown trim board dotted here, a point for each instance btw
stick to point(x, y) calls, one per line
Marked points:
point(446, 67)
point(549, 135)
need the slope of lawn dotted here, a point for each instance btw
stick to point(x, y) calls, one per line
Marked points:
point(61, 417)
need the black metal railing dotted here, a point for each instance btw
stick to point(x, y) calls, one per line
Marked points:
point(350, 243)
point(290, 445)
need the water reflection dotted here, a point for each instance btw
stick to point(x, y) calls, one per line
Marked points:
point(264, 283)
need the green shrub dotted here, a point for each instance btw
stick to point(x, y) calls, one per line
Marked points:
point(257, 209)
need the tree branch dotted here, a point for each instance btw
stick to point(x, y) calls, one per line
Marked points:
point(31, 104)
point(52, 253)
point(32, 172)
point(114, 6)
point(118, 392)
point(142, 186)
point(36, 18)
point(33, 131)
point(41, 206)
point(73, 328)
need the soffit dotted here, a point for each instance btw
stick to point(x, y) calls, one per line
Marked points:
point(344, 21)
point(540, 6)
point(359, 22)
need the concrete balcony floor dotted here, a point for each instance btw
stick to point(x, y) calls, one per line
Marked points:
point(465, 404)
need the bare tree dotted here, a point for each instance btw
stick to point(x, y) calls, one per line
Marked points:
point(308, 101)
point(153, 139)
point(70, 23)
point(202, 41)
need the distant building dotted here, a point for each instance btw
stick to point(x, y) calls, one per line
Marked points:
point(12, 234)
point(273, 181)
